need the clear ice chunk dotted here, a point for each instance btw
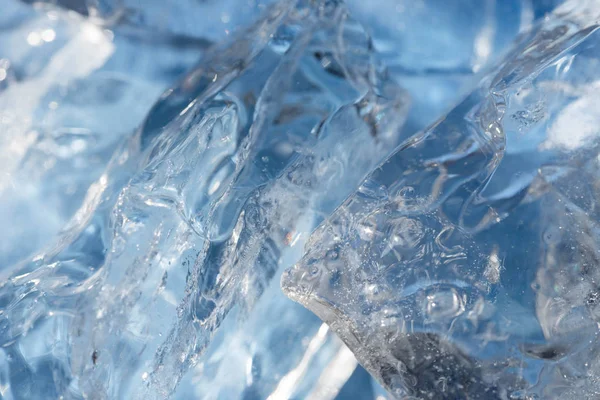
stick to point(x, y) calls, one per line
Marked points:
point(60, 120)
point(245, 359)
point(164, 280)
point(465, 264)
point(438, 49)
point(268, 133)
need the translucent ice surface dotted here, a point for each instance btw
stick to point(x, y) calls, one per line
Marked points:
point(163, 162)
point(274, 126)
point(465, 266)
point(67, 98)
point(245, 361)
point(183, 19)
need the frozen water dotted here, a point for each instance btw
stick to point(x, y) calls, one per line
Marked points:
point(191, 215)
point(61, 120)
point(275, 326)
point(146, 233)
point(465, 265)
point(183, 19)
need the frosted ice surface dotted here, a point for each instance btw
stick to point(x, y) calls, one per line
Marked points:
point(465, 264)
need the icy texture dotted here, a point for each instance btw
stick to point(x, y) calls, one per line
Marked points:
point(465, 266)
point(436, 48)
point(60, 120)
point(272, 129)
point(184, 19)
point(246, 360)
point(164, 280)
